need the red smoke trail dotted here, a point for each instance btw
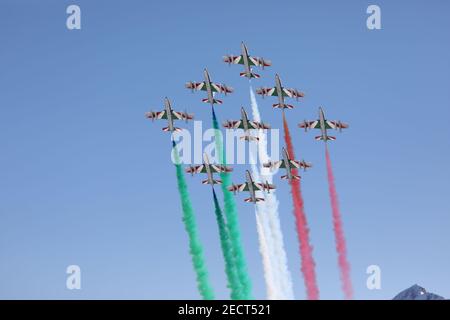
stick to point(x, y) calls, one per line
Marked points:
point(308, 265)
point(341, 248)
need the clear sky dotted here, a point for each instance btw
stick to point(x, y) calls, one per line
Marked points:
point(85, 179)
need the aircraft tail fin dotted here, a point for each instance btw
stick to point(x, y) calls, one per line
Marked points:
point(248, 137)
point(285, 106)
point(328, 138)
point(294, 177)
point(167, 129)
point(251, 200)
point(217, 101)
point(215, 181)
point(252, 75)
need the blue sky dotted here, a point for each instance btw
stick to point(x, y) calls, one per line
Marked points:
point(85, 179)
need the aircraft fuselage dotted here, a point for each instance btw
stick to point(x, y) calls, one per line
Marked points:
point(245, 56)
point(279, 89)
point(208, 87)
point(323, 127)
point(244, 120)
point(251, 190)
point(287, 164)
point(169, 114)
point(208, 169)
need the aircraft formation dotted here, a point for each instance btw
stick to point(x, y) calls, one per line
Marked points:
point(279, 91)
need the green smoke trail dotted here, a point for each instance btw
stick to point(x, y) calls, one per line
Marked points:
point(232, 219)
point(195, 246)
point(227, 250)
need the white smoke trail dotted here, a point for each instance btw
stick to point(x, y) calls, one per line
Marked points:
point(272, 290)
point(270, 210)
point(264, 238)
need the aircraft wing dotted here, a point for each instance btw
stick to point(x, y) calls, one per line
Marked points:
point(182, 115)
point(221, 88)
point(233, 59)
point(263, 186)
point(258, 125)
point(220, 168)
point(240, 125)
point(156, 115)
point(196, 85)
point(274, 164)
point(239, 187)
point(299, 164)
point(267, 91)
point(196, 169)
point(310, 124)
point(259, 62)
point(233, 124)
point(295, 164)
point(335, 125)
point(293, 93)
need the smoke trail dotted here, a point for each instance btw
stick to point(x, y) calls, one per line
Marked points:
point(270, 212)
point(265, 244)
point(308, 265)
point(227, 251)
point(231, 215)
point(344, 266)
point(195, 246)
point(272, 290)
